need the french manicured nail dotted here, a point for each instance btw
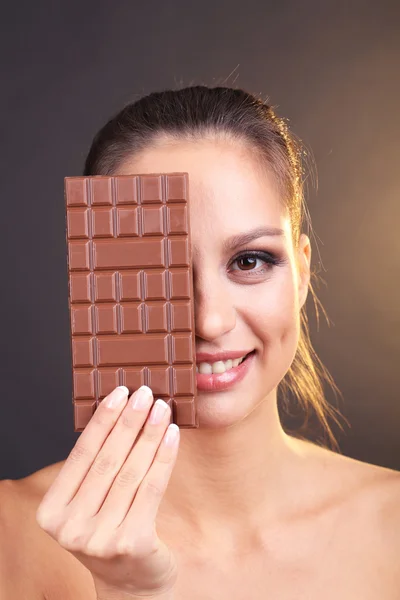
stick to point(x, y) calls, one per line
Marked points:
point(142, 398)
point(172, 435)
point(117, 396)
point(158, 412)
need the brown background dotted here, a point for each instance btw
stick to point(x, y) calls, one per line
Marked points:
point(332, 67)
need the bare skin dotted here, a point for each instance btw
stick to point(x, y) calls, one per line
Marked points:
point(249, 511)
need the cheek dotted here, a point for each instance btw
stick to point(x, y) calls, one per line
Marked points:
point(276, 319)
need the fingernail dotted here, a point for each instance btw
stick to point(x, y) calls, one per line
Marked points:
point(158, 412)
point(142, 397)
point(117, 396)
point(172, 435)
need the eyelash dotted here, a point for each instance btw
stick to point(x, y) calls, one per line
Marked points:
point(270, 259)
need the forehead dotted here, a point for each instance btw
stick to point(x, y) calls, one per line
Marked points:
point(228, 192)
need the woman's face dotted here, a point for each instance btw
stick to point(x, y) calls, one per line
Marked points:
point(242, 303)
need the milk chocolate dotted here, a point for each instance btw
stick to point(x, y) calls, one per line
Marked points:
point(131, 291)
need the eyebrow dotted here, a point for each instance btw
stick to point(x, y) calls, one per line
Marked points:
point(248, 236)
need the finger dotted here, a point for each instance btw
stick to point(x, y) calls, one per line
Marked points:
point(145, 507)
point(81, 457)
point(113, 454)
point(128, 480)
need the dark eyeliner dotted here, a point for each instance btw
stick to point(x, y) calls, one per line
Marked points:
point(267, 257)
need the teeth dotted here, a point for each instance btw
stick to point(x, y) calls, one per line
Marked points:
point(218, 367)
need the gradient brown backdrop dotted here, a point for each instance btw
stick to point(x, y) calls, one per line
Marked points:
point(332, 67)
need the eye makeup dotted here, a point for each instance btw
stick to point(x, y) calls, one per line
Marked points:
point(269, 259)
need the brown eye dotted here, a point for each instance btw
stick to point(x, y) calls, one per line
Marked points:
point(247, 262)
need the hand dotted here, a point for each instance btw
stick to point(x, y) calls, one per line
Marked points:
point(102, 506)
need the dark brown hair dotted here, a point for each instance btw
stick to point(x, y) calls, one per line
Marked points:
point(196, 112)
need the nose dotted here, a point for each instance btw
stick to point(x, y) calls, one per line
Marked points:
point(215, 314)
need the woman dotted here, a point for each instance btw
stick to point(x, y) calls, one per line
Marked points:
point(246, 509)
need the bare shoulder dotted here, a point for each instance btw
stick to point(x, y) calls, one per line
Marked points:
point(378, 487)
point(370, 496)
point(20, 498)
point(379, 496)
point(33, 564)
point(18, 535)
point(7, 508)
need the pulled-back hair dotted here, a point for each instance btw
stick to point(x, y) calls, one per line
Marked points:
point(199, 112)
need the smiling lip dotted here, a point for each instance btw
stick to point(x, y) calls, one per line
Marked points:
point(216, 382)
point(212, 358)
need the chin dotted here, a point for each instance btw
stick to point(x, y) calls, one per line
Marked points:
point(216, 413)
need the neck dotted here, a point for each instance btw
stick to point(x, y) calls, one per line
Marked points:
point(234, 479)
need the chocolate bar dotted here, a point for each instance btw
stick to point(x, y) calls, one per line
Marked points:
point(131, 291)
